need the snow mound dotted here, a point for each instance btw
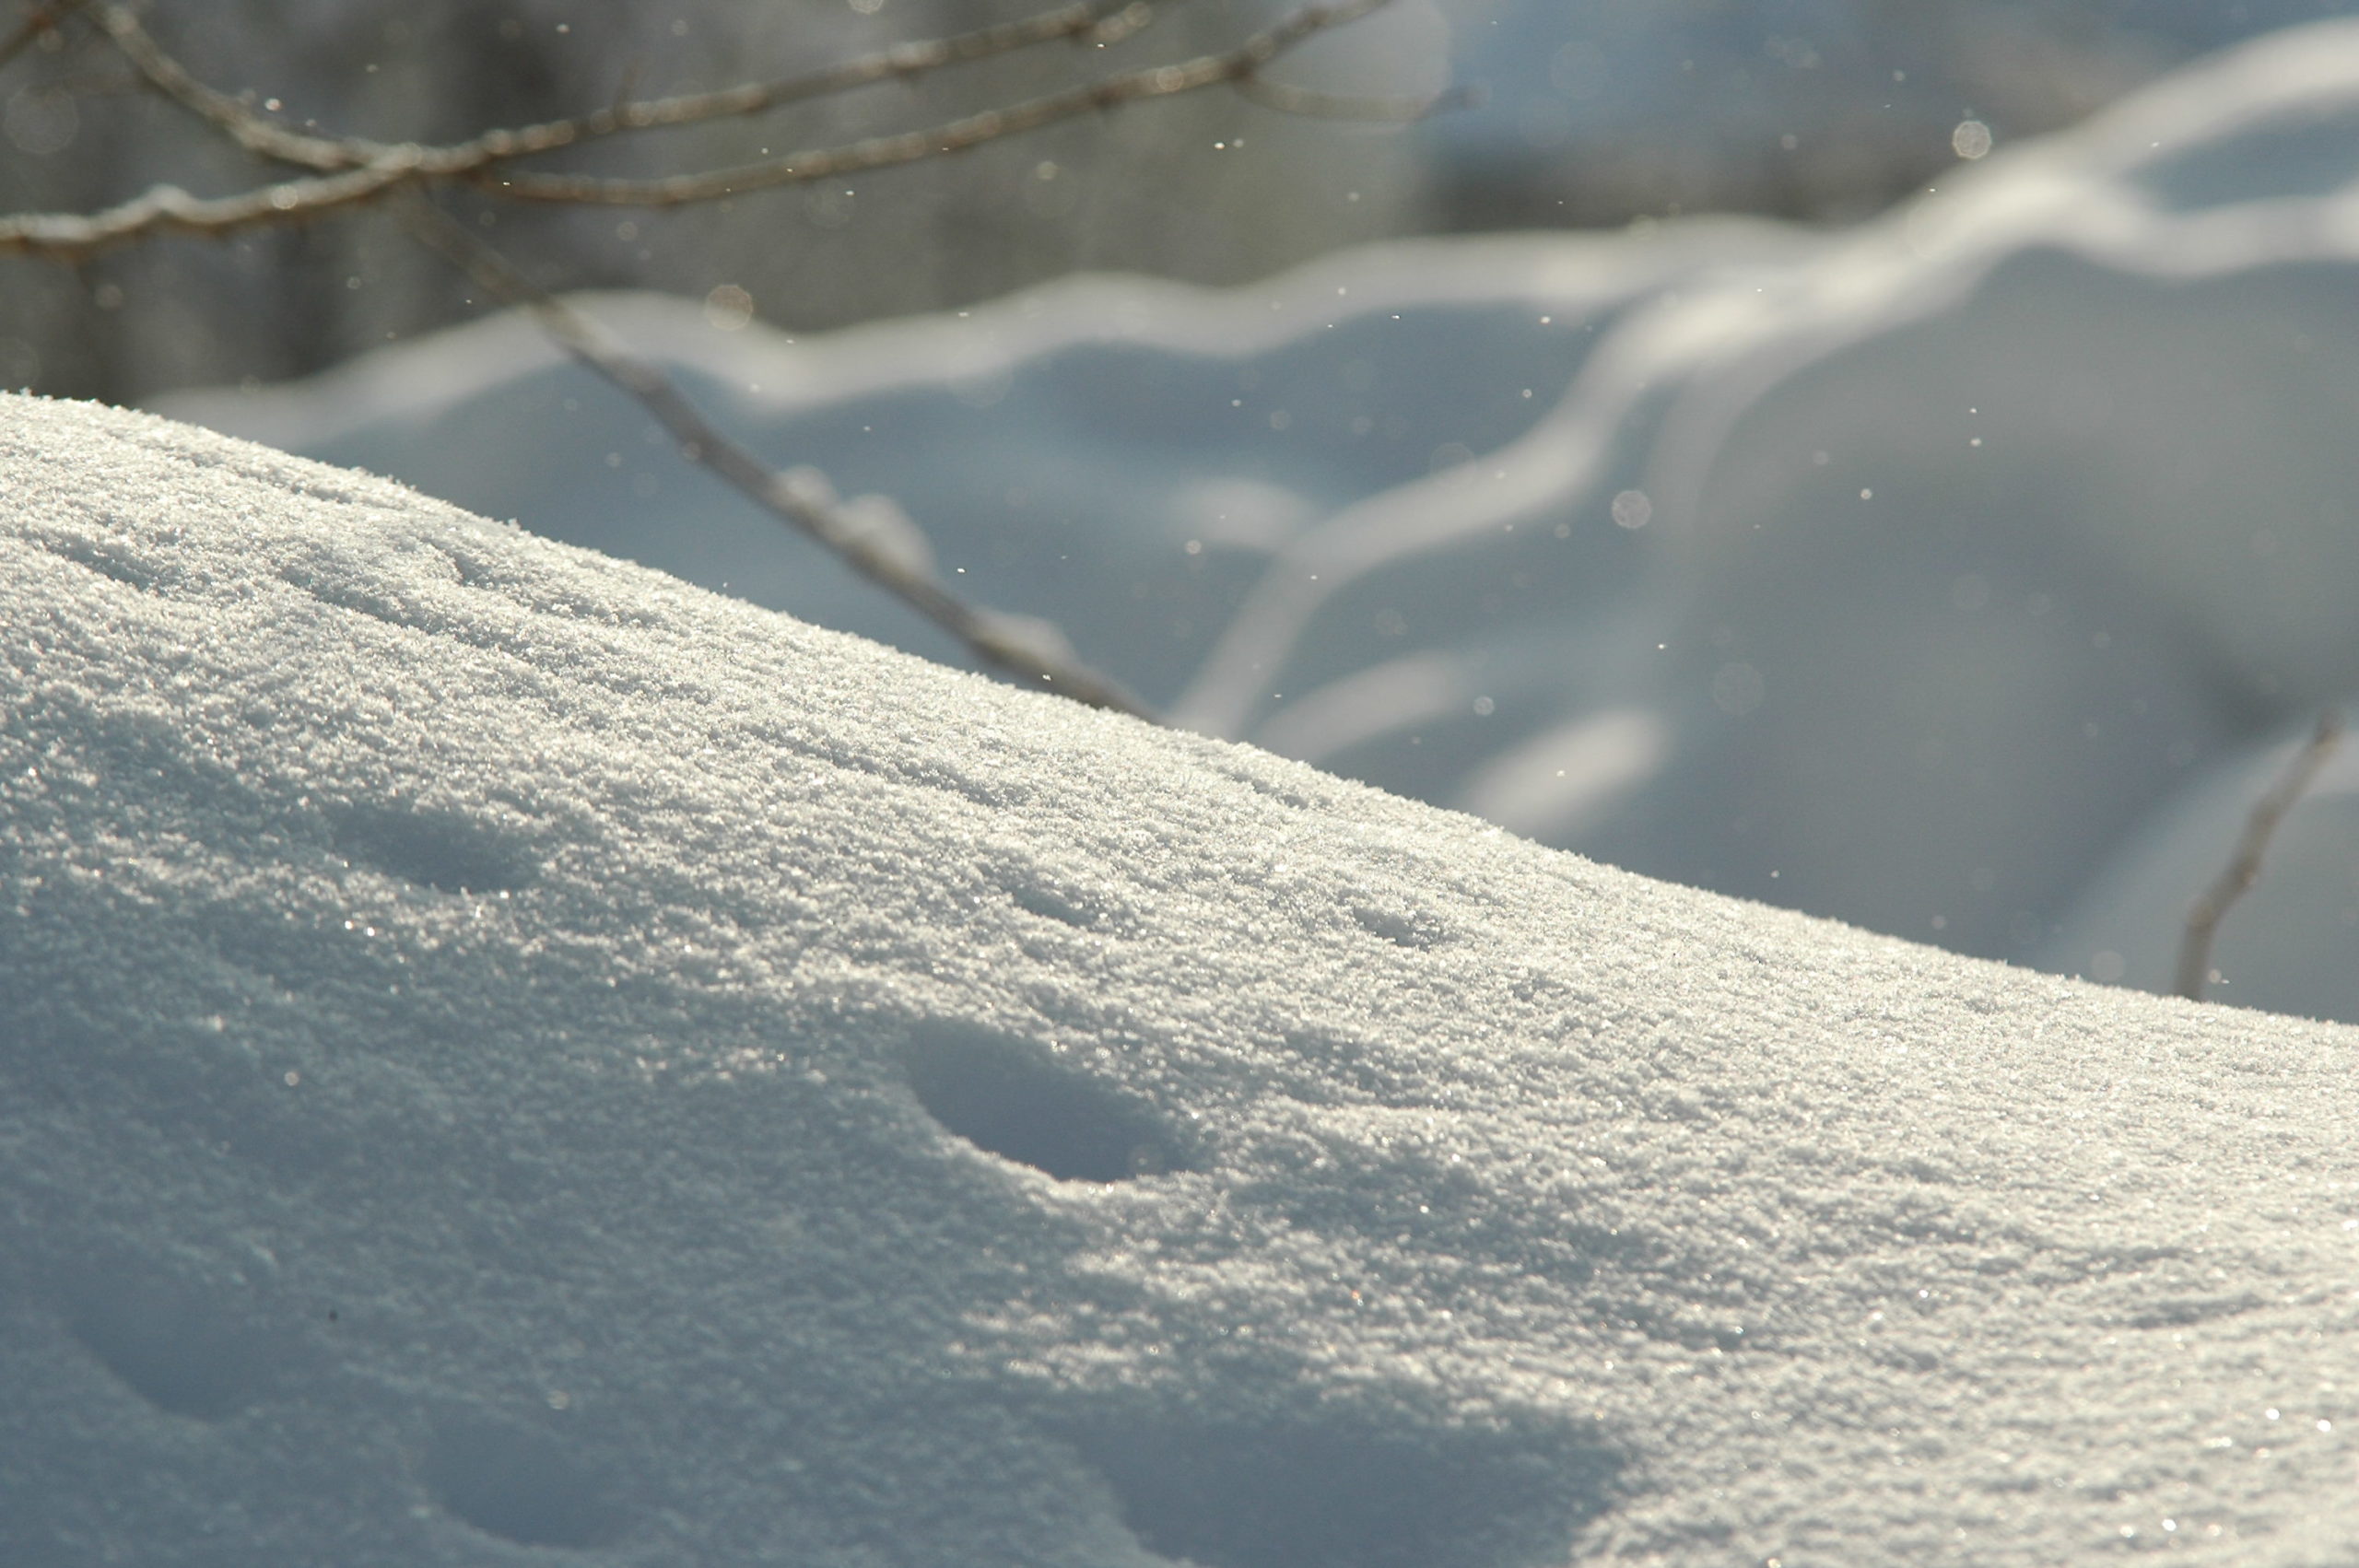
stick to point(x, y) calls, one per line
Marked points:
point(506, 1057)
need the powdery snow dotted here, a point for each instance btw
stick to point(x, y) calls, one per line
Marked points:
point(506, 1057)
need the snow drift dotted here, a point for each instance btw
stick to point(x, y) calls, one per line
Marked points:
point(506, 1057)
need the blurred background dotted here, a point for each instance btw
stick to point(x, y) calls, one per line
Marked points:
point(1591, 113)
point(1887, 460)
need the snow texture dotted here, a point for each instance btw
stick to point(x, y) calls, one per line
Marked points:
point(506, 1057)
point(1895, 574)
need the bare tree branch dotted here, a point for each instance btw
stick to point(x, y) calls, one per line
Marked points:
point(355, 172)
point(257, 134)
point(1096, 22)
point(167, 209)
point(1234, 64)
point(2243, 868)
point(871, 534)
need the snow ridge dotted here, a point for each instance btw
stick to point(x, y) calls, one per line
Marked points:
point(507, 1057)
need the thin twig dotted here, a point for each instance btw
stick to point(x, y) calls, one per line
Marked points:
point(230, 116)
point(169, 209)
point(358, 171)
point(1099, 20)
point(886, 549)
point(2243, 868)
point(1234, 64)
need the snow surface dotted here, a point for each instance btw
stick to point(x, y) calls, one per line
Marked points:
point(1976, 538)
point(507, 1057)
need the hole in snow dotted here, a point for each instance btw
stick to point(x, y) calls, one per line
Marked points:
point(1418, 930)
point(437, 849)
point(1264, 786)
point(519, 1485)
point(1012, 1098)
point(183, 1347)
point(1050, 904)
point(1377, 1493)
point(106, 560)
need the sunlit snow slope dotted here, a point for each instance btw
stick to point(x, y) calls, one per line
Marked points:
point(508, 1058)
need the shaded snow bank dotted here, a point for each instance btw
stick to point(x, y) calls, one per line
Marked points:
point(505, 1056)
point(1969, 538)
